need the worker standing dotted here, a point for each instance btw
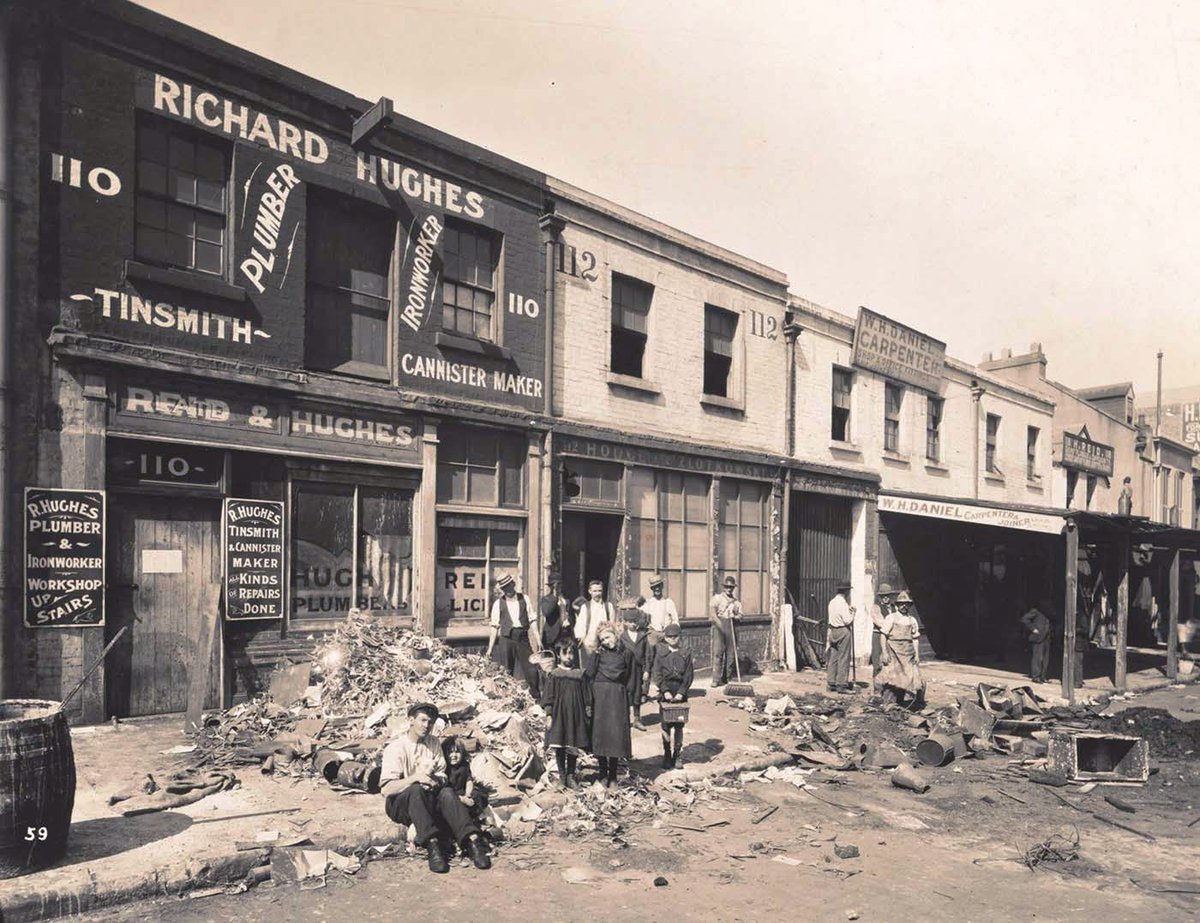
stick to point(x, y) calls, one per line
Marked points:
point(840, 640)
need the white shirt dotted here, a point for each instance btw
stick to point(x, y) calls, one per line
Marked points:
point(514, 610)
point(901, 626)
point(405, 757)
point(662, 613)
point(840, 615)
point(588, 622)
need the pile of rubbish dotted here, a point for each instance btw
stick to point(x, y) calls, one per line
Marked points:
point(333, 715)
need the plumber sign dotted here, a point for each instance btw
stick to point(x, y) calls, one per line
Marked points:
point(64, 558)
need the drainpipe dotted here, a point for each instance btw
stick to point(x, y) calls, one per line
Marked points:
point(977, 393)
point(5, 339)
point(552, 227)
point(791, 332)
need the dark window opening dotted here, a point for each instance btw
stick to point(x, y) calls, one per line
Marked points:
point(472, 255)
point(993, 435)
point(720, 327)
point(893, 398)
point(843, 382)
point(933, 429)
point(630, 314)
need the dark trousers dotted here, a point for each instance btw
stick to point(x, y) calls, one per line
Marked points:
point(429, 811)
point(512, 653)
point(837, 670)
point(1040, 661)
point(876, 652)
point(722, 653)
point(1079, 652)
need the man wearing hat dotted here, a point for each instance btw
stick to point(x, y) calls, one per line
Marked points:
point(509, 641)
point(662, 612)
point(412, 781)
point(840, 640)
point(883, 606)
point(591, 614)
point(554, 615)
point(670, 683)
point(723, 610)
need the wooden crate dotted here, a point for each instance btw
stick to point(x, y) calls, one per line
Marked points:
point(671, 713)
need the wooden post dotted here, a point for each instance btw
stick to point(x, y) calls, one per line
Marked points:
point(1072, 577)
point(1121, 666)
point(426, 514)
point(1173, 623)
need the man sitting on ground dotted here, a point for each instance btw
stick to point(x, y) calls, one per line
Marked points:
point(413, 784)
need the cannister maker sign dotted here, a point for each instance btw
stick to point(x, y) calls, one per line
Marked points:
point(253, 559)
point(64, 558)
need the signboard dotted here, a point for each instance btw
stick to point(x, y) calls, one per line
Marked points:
point(64, 558)
point(144, 464)
point(974, 515)
point(660, 458)
point(897, 352)
point(462, 591)
point(1080, 453)
point(253, 559)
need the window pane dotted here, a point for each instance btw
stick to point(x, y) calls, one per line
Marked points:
point(729, 548)
point(750, 589)
point(753, 497)
point(699, 552)
point(505, 544)
point(322, 550)
point(481, 485)
point(208, 257)
point(385, 549)
point(696, 488)
point(641, 544)
point(672, 545)
point(670, 496)
point(461, 543)
point(697, 594)
point(642, 496)
point(750, 543)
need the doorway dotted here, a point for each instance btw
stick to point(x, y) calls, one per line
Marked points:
point(589, 551)
point(165, 585)
point(820, 528)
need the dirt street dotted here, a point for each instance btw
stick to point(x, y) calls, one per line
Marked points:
point(951, 854)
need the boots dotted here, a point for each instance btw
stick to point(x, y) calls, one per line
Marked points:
point(437, 859)
point(637, 720)
point(668, 762)
point(478, 851)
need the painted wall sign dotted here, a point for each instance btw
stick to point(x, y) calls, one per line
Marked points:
point(160, 463)
point(70, 171)
point(131, 308)
point(253, 559)
point(64, 558)
point(473, 376)
point(203, 412)
point(898, 352)
point(816, 483)
point(660, 458)
point(422, 273)
point(1080, 453)
point(976, 515)
point(462, 591)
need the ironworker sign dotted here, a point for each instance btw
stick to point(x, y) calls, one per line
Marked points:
point(253, 559)
point(974, 515)
point(64, 558)
point(883, 346)
point(1080, 453)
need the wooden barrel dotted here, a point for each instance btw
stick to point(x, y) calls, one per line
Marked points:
point(37, 785)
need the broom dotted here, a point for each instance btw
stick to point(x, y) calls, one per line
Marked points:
point(738, 689)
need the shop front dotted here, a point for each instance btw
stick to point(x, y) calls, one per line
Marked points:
point(629, 511)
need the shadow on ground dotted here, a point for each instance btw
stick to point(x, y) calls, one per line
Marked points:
point(101, 837)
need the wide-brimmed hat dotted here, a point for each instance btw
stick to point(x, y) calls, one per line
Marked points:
point(844, 585)
point(672, 631)
point(503, 581)
point(729, 581)
point(885, 589)
point(657, 580)
point(578, 602)
point(417, 707)
point(904, 597)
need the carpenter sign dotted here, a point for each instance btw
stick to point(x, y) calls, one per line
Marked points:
point(64, 558)
point(898, 352)
point(253, 559)
point(1080, 453)
point(976, 515)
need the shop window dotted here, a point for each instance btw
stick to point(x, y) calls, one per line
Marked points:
point(481, 467)
point(351, 546)
point(471, 255)
point(669, 525)
point(586, 479)
point(182, 177)
point(934, 407)
point(1031, 450)
point(893, 400)
point(720, 327)
point(745, 541)
point(843, 384)
point(471, 551)
point(350, 245)
point(630, 315)
point(991, 441)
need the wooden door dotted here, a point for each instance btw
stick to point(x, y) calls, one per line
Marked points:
point(165, 570)
point(819, 557)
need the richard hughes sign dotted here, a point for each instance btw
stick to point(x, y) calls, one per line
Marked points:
point(253, 559)
point(881, 345)
point(64, 558)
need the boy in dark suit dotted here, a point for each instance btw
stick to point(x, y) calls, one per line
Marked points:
point(670, 684)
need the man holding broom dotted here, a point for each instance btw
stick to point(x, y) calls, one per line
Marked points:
point(840, 640)
point(723, 610)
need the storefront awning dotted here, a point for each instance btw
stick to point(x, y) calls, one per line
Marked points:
point(1025, 519)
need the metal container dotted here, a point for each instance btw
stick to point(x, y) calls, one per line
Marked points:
point(940, 749)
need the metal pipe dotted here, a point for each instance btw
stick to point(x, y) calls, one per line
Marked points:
point(1158, 397)
point(977, 393)
point(6, 526)
point(791, 332)
point(552, 226)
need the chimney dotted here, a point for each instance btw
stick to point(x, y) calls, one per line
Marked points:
point(1006, 353)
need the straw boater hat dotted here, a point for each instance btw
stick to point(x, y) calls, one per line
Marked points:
point(504, 581)
point(904, 597)
point(729, 581)
point(657, 580)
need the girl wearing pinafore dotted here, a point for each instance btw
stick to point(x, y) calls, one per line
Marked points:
point(611, 673)
point(567, 698)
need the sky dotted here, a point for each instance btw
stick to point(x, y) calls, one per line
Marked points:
point(993, 174)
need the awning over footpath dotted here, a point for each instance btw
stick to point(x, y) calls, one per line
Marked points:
point(1045, 520)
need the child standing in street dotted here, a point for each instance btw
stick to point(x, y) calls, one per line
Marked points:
point(670, 683)
point(568, 702)
point(610, 673)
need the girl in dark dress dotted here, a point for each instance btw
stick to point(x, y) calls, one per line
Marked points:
point(568, 701)
point(458, 777)
point(611, 672)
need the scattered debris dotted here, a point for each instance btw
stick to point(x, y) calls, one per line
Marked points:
point(845, 852)
point(905, 776)
point(1059, 847)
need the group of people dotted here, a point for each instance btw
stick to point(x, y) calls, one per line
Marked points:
point(895, 648)
point(591, 666)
